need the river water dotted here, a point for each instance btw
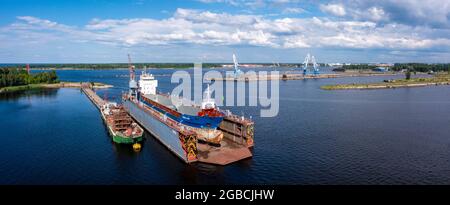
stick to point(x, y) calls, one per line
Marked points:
point(391, 136)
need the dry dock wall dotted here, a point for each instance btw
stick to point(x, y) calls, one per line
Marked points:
point(165, 134)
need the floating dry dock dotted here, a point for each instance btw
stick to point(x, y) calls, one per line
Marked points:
point(235, 146)
point(183, 140)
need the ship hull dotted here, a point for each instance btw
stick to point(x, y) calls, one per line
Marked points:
point(165, 134)
point(200, 122)
point(116, 138)
point(183, 118)
point(125, 140)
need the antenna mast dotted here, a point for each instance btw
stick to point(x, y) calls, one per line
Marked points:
point(28, 69)
point(131, 68)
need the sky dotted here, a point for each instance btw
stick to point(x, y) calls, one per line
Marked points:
point(284, 31)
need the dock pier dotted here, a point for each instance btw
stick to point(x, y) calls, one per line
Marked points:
point(87, 90)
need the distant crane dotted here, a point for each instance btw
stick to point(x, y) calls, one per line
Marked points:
point(237, 71)
point(275, 64)
point(310, 60)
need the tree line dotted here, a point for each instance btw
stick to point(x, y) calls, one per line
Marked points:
point(414, 67)
point(99, 66)
point(15, 77)
point(421, 67)
point(359, 67)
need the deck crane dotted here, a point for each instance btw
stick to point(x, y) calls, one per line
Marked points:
point(132, 84)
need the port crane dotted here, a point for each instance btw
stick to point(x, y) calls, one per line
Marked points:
point(310, 60)
point(237, 71)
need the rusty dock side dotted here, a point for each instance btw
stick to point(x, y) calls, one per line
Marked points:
point(228, 152)
point(235, 146)
point(238, 129)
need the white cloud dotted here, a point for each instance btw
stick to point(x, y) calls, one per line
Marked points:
point(292, 10)
point(334, 9)
point(253, 4)
point(434, 13)
point(223, 29)
point(376, 14)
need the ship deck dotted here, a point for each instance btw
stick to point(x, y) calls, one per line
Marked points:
point(227, 153)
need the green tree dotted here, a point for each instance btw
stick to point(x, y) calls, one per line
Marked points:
point(408, 73)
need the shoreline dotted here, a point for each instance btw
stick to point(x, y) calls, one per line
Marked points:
point(11, 89)
point(392, 84)
point(299, 76)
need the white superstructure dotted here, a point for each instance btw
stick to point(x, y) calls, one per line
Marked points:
point(208, 102)
point(147, 83)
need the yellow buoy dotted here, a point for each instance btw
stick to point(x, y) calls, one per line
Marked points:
point(137, 147)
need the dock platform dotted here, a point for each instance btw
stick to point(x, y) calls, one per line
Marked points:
point(227, 153)
point(98, 101)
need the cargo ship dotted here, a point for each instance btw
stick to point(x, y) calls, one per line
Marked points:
point(204, 119)
point(205, 116)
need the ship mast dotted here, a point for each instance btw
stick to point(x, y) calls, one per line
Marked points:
point(131, 68)
point(132, 84)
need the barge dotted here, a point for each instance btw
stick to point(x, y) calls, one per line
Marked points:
point(121, 127)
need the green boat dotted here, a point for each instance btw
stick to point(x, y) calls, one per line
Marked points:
point(122, 128)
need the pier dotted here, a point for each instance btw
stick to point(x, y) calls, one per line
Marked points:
point(87, 89)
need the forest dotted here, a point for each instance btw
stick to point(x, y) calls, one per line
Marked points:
point(414, 67)
point(15, 77)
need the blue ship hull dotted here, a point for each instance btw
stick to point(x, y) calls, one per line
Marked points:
point(200, 122)
point(190, 120)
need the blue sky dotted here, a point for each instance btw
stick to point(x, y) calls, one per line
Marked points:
point(89, 31)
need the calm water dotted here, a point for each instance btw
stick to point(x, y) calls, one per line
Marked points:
point(398, 136)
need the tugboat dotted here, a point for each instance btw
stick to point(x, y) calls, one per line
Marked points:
point(121, 126)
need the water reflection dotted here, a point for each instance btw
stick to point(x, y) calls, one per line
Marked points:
point(396, 136)
point(46, 93)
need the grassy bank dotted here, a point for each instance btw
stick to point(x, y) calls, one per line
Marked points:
point(50, 85)
point(442, 79)
point(21, 88)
